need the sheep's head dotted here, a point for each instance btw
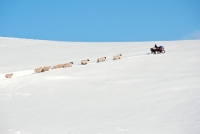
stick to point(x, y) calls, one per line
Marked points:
point(120, 54)
point(88, 60)
point(72, 62)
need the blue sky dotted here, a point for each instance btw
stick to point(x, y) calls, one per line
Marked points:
point(100, 20)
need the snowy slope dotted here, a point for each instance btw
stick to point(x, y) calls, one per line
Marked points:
point(141, 93)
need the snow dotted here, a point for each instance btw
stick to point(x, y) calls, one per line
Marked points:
point(140, 93)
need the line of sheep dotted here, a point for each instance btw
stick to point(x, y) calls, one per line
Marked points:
point(83, 62)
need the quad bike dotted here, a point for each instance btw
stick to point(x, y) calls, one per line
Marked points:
point(157, 50)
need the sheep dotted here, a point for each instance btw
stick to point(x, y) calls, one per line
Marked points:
point(68, 64)
point(84, 62)
point(46, 68)
point(9, 75)
point(116, 57)
point(38, 70)
point(61, 65)
point(58, 66)
point(101, 59)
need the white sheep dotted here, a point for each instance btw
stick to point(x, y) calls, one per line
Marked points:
point(38, 70)
point(46, 68)
point(84, 62)
point(9, 75)
point(101, 59)
point(116, 57)
point(58, 66)
point(68, 64)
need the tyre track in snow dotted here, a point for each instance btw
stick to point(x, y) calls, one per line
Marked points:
point(23, 73)
point(111, 60)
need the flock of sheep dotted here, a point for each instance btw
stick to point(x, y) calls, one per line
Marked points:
point(83, 62)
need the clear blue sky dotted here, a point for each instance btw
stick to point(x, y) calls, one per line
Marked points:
point(100, 20)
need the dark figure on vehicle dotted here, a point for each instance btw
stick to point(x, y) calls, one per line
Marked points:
point(156, 49)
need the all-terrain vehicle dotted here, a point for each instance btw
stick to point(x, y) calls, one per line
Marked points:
point(157, 50)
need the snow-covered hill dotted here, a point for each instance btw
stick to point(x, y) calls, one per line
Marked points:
point(142, 93)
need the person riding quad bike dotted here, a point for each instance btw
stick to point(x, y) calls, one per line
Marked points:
point(157, 49)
